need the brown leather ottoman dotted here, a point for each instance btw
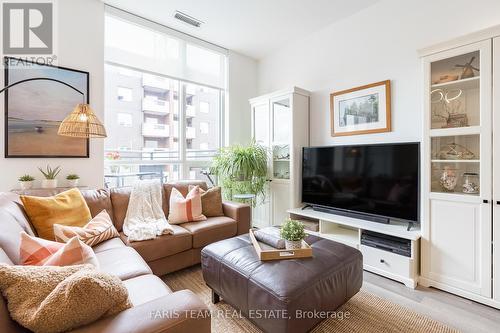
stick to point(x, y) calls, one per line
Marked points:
point(297, 290)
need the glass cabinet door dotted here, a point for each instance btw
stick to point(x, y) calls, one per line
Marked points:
point(459, 121)
point(261, 124)
point(282, 122)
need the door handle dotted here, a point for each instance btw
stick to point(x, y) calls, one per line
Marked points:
point(498, 202)
point(487, 201)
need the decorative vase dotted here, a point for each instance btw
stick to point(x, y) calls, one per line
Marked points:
point(293, 245)
point(448, 179)
point(72, 182)
point(49, 183)
point(26, 185)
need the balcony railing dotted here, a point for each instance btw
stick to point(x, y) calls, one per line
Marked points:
point(155, 130)
point(155, 82)
point(155, 105)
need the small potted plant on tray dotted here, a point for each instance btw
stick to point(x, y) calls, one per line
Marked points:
point(26, 182)
point(72, 180)
point(50, 175)
point(293, 233)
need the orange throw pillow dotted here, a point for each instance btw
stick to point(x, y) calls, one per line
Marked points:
point(186, 209)
point(67, 208)
point(35, 251)
point(99, 229)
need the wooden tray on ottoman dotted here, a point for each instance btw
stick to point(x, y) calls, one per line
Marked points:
point(266, 252)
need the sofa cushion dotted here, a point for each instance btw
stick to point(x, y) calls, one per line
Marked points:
point(185, 208)
point(68, 208)
point(112, 243)
point(145, 288)
point(182, 186)
point(162, 246)
point(98, 200)
point(119, 199)
point(12, 221)
point(98, 230)
point(211, 230)
point(123, 262)
point(36, 251)
point(211, 201)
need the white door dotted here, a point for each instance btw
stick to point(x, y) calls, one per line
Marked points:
point(280, 199)
point(496, 169)
point(261, 134)
point(457, 229)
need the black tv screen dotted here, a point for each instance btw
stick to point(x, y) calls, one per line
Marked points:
point(380, 179)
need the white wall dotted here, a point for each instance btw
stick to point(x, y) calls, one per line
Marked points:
point(376, 44)
point(242, 85)
point(80, 46)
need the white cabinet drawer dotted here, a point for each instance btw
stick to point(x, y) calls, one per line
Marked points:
point(380, 262)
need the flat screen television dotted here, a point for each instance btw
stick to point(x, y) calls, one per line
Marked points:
point(379, 182)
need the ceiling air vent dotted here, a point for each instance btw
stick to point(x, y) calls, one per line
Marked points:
point(187, 19)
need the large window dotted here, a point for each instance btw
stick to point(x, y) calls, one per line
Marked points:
point(172, 127)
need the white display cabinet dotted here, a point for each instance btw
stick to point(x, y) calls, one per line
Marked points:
point(280, 122)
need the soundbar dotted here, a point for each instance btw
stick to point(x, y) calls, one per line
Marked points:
point(361, 216)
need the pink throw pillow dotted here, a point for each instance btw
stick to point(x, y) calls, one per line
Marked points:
point(186, 209)
point(41, 252)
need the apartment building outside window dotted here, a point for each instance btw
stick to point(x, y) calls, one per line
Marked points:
point(175, 128)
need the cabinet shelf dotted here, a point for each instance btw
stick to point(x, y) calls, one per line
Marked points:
point(455, 161)
point(455, 131)
point(470, 83)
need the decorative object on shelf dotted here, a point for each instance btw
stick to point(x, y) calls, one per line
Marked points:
point(468, 69)
point(26, 182)
point(448, 179)
point(72, 180)
point(471, 183)
point(50, 175)
point(454, 151)
point(36, 124)
point(242, 169)
point(446, 78)
point(293, 233)
point(361, 110)
point(448, 106)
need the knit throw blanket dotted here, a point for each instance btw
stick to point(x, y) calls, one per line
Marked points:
point(145, 218)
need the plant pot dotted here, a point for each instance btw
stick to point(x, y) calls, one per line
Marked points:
point(49, 183)
point(26, 185)
point(72, 182)
point(293, 245)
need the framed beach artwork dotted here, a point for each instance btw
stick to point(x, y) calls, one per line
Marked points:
point(361, 110)
point(35, 109)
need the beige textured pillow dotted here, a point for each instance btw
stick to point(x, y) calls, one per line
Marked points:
point(57, 299)
point(211, 201)
point(99, 229)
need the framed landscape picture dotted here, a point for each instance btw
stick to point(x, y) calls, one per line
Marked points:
point(35, 109)
point(361, 110)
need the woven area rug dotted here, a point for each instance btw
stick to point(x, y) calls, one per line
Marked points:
point(367, 312)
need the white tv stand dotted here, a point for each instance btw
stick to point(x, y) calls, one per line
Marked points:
point(347, 230)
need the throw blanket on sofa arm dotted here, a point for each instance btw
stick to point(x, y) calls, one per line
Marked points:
point(145, 218)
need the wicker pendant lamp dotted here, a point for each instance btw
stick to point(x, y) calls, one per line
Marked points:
point(82, 123)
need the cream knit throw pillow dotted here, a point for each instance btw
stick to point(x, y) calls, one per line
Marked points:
point(56, 299)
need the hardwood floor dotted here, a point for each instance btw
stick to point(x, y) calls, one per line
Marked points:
point(455, 311)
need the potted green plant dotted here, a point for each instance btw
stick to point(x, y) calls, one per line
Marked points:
point(293, 233)
point(26, 182)
point(72, 180)
point(50, 175)
point(242, 170)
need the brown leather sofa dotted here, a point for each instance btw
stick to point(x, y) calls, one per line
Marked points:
point(156, 308)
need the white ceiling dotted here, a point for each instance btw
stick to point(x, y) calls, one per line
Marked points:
point(251, 27)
